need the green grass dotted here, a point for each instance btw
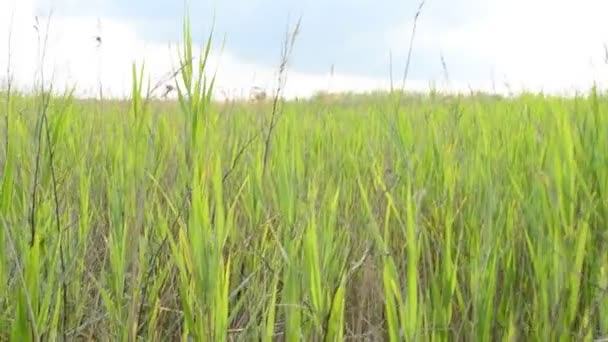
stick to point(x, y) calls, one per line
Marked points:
point(465, 217)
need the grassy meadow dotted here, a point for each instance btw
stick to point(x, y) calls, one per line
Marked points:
point(368, 218)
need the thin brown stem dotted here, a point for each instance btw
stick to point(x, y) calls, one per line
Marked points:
point(281, 79)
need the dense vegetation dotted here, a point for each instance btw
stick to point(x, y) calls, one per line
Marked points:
point(367, 218)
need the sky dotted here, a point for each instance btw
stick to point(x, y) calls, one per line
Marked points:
point(554, 46)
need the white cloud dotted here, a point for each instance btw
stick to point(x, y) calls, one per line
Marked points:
point(553, 45)
point(550, 45)
point(74, 58)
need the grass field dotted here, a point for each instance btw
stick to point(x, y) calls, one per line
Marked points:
point(351, 218)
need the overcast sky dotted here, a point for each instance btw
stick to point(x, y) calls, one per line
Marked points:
point(550, 45)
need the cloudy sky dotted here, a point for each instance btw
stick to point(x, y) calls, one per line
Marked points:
point(548, 45)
